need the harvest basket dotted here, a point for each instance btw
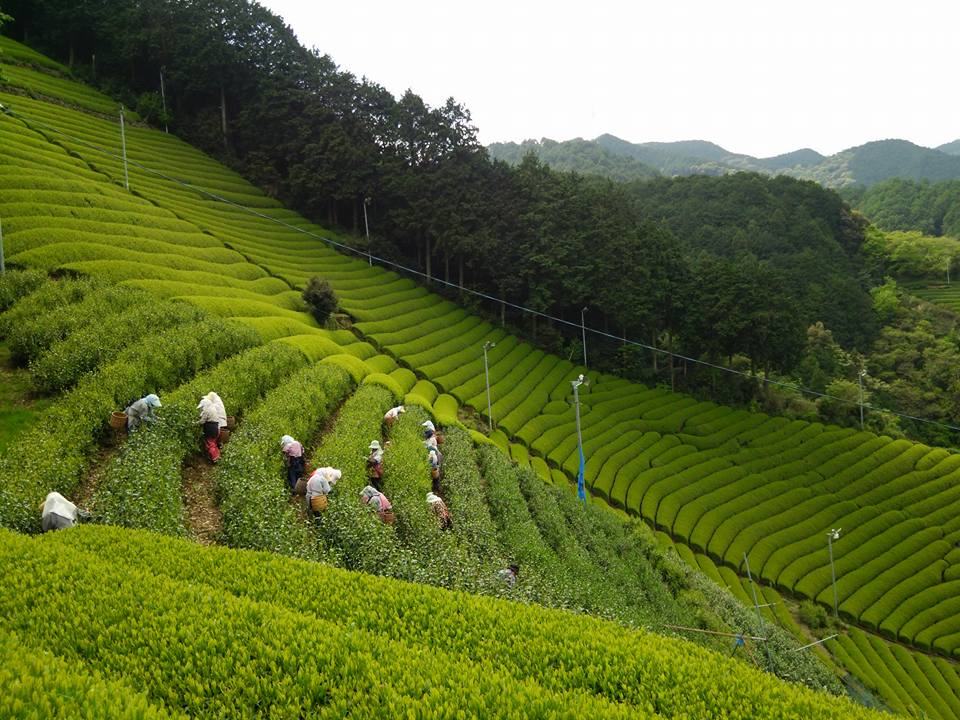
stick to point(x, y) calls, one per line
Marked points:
point(318, 503)
point(231, 422)
point(224, 435)
point(388, 517)
point(118, 420)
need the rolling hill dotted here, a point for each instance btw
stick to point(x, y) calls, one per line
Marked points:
point(863, 165)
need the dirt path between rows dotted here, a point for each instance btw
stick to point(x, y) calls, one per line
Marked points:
point(203, 516)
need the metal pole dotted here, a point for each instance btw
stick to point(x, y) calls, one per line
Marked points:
point(366, 226)
point(486, 372)
point(860, 379)
point(3, 267)
point(756, 605)
point(583, 329)
point(576, 403)
point(123, 143)
point(831, 536)
point(163, 98)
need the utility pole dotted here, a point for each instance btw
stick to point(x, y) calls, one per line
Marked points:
point(581, 490)
point(486, 371)
point(833, 534)
point(366, 226)
point(123, 144)
point(163, 99)
point(860, 380)
point(583, 329)
point(756, 605)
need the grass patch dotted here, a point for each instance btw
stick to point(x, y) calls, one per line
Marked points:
point(18, 408)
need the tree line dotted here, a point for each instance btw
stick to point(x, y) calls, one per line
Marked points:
point(712, 267)
point(899, 204)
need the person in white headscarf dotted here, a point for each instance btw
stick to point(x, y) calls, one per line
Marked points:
point(143, 410)
point(293, 455)
point(439, 507)
point(320, 485)
point(392, 414)
point(372, 497)
point(211, 410)
point(57, 513)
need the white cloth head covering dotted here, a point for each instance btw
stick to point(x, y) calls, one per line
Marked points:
point(286, 440)
point(152, 400)
point(428, 424)
point(375, 445)
point(433, 498)
point(59, 505)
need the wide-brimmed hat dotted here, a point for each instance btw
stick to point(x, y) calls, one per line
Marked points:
point(375, 445)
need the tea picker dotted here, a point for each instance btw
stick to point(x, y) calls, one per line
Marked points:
point(320, 485)
point(392, 414)
point(143, 410)
point(293, 454)
point(57, 513)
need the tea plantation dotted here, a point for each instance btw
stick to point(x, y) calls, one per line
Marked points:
point(190, 282)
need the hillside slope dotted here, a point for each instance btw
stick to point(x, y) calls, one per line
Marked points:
point(698, 470)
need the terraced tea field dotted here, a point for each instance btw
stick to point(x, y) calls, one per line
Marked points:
point(191, 232)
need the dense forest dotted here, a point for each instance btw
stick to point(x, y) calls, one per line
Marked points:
point(897, 204)
point(746, 269)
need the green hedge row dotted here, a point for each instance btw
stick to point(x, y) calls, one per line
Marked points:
point(251, 486)
point(141, 487)
point(52, 454)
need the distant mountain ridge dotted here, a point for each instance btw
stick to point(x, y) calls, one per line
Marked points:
point(620, 159)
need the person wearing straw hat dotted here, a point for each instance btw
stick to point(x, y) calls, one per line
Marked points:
point(293, 455)
point(375, 462)
point(143, 410)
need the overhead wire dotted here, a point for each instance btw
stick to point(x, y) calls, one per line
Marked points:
point(477, 293)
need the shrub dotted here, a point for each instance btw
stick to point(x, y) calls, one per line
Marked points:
point(320, 298)
point(812, 615)
point(14, 284)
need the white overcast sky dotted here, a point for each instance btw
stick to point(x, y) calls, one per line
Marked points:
point(761, 78)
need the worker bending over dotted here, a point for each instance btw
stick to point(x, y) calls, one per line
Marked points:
point(439, 508)
point(372, 497)
point(143, 410)
point(320, 485)
point(293, 455)
point(392, 414)
point(57, 513)
point(213, 418)
point(375, 463)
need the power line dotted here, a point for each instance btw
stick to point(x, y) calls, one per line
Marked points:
point(492, 298)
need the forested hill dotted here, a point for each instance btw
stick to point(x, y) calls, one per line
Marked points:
point(554, 242)
point(582, 156)
point(951, 148)
point(895, 204)
point(864, 165)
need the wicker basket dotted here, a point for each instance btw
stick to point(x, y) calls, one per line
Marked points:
point(318, 503)
point(224, 435)
point(231, 422)
point(388, 517)
point(118, 420)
